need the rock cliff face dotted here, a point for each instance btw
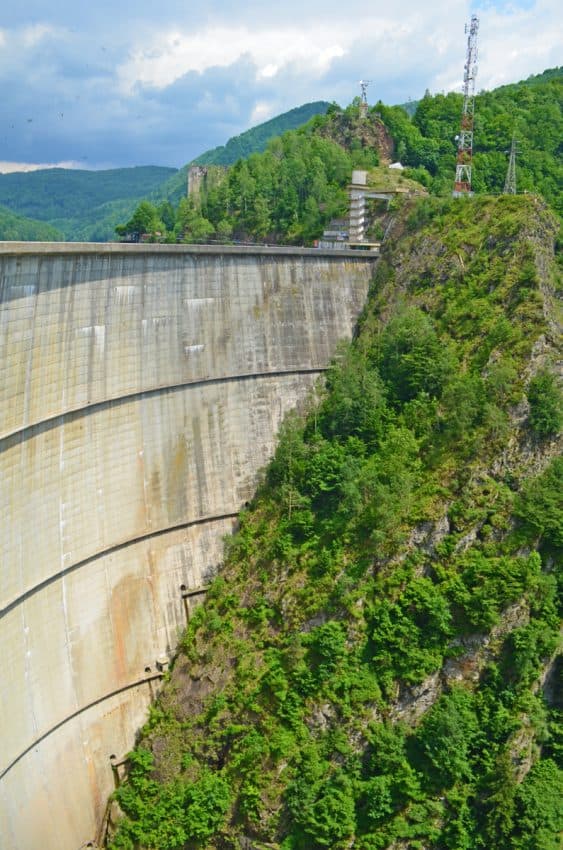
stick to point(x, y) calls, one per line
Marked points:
point(369, 670)
point(521, 456)
point(141, 389)
point(371, 133)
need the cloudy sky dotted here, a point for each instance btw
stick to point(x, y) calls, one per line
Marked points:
point(105, 83)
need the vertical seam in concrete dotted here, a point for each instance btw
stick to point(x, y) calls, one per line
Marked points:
point(62, 522)
point(29, 365)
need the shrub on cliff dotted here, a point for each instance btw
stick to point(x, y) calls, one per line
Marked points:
point(546, 404)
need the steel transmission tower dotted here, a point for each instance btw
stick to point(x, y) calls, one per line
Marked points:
point(462, 185)
point(510, 182)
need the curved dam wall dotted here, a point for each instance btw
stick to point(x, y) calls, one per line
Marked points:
point(141, 388)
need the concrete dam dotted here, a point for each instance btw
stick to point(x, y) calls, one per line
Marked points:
point(141, 389)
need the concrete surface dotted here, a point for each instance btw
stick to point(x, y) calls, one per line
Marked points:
point(141, 388)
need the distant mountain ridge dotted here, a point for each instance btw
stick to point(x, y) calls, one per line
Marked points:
point(251, 141)
point(17, 228)
point(87, 205)
point(82, 205)
point(256, 139)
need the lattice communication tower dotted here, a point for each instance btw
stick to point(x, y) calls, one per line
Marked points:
point(364, 98)
point(462, 185)
point(510, 182)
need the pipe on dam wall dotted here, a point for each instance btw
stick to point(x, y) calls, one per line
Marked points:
point(141, 388)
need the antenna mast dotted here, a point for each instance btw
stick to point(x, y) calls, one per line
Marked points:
point(510, 182)
point(364, 99)
point(462, 185)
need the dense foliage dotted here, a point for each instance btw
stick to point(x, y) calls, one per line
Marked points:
point(280, 193)
point(285, 194)
point(367, 671)
point(256, 139)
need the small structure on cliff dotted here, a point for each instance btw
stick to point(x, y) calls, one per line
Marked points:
point(202, 178)
point(354, 230)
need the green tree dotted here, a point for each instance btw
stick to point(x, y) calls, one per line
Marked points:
point(540, 505)
point(499, 803)
point(206, 802)
point(323, 808)
point(144, 221)
point(355, 405)
point(191, 225)
point(258, 219)
point(167, 215)
point(224, 230)
point(412, 359)
point(446, 736)
point(539, 809)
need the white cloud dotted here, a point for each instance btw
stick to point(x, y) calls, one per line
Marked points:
point(520, 42)
point(93, 84)
point(169, 55)
point(32, 35)
point(23, 46)
point(261, 112)
point(11, 167)
point(513, 43)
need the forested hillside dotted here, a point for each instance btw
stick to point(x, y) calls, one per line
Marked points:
point(531, 110)
point(286, 194)
point(17, 228)
point(80, 204)
point(251, 141)
point(290, 192)
point(376, 665)
point(87, 205)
